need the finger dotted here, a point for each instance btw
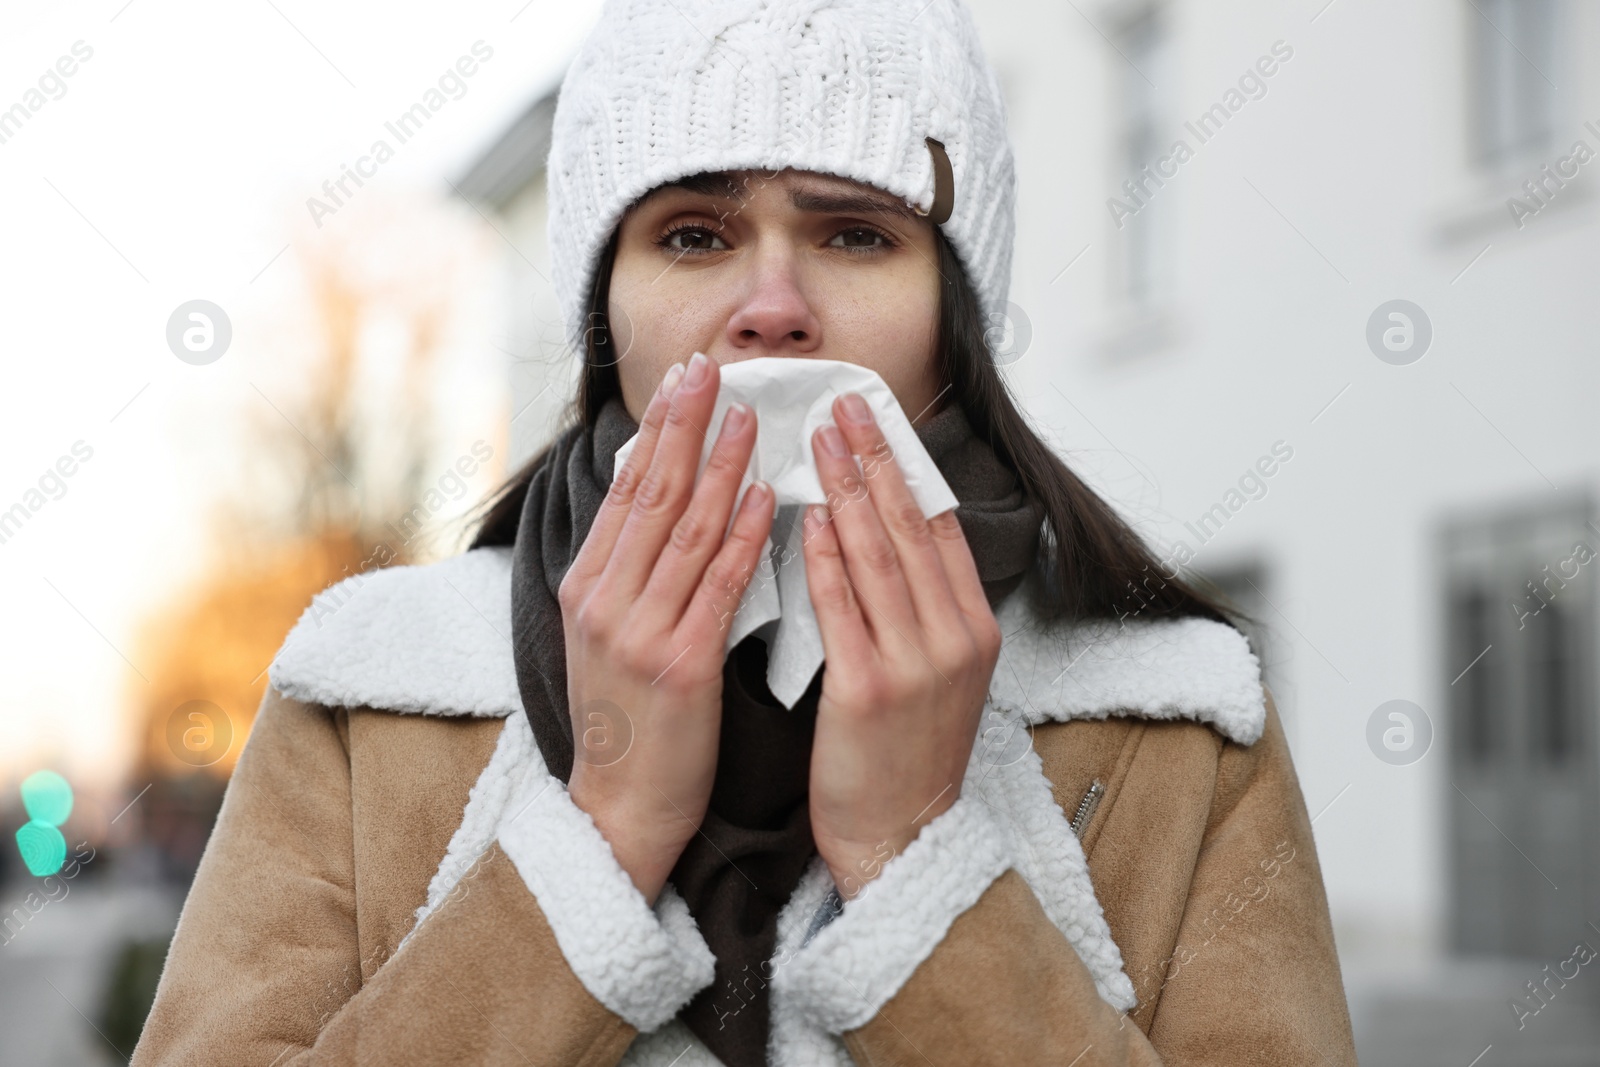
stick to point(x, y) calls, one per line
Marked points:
point(602, 537)
point(899, 513)
point(870, 561)
point(667, 484)
point(845, 641)
point(726, 577)
point(959, 566)
point(700, 530)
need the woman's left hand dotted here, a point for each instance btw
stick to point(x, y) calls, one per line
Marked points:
point(910, 646)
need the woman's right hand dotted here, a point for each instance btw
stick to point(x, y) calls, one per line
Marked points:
point(645, 605)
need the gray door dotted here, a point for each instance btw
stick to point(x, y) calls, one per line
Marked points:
point(1524, 790)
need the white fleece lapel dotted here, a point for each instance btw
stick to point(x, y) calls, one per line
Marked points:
point(436, 640)
point(433, 639)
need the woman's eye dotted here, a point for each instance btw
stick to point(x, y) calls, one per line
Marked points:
point(695, 239)
point(859, 237)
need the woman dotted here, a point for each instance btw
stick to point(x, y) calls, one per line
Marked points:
point(524, 806)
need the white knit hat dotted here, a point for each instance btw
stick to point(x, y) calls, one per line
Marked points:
point(662, 89)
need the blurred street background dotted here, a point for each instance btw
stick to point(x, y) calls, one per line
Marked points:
point(271, 271)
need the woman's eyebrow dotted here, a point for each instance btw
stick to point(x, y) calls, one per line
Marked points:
point(823, 201)
point(847, 202)
point(715, 183)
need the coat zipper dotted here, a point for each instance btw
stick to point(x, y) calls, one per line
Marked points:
point(1086, 806)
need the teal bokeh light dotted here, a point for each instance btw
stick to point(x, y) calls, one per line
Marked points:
point(47, 796)
point(43, 848)
point(48, 799)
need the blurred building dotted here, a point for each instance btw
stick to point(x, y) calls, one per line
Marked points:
point(1308, 292)
point(508, 179)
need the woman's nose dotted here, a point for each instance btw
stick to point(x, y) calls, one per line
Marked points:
point(775, 317)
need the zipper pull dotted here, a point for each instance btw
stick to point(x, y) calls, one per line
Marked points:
point(1086, 806)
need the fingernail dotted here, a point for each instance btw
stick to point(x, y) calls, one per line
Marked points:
point(817, 515)
point(735, 419)
point(833, 440)
point(697, 370)
point(755, 496)
point(670, 382)
point(855, 409)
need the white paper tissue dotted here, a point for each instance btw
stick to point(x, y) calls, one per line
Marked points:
point(792, 396)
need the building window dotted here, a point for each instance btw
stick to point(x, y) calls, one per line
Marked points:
point(1522, 786)
point(1551, 670)
point(1473, 692)
point(1143, 88)
point(1514, 77)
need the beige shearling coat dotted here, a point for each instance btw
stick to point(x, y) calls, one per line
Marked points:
point(1128, 876)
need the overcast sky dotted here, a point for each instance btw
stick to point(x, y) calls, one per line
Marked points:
point(166, 149)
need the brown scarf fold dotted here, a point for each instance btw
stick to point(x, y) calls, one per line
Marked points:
point(755, 841)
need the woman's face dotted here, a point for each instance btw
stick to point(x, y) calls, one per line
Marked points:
point(797, 264)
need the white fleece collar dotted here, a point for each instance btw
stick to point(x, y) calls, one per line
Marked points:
point(435, 639)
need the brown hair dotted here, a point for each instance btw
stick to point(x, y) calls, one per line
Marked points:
point(1096, 566)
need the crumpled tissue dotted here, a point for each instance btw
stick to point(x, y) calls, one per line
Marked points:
point(791, 397)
